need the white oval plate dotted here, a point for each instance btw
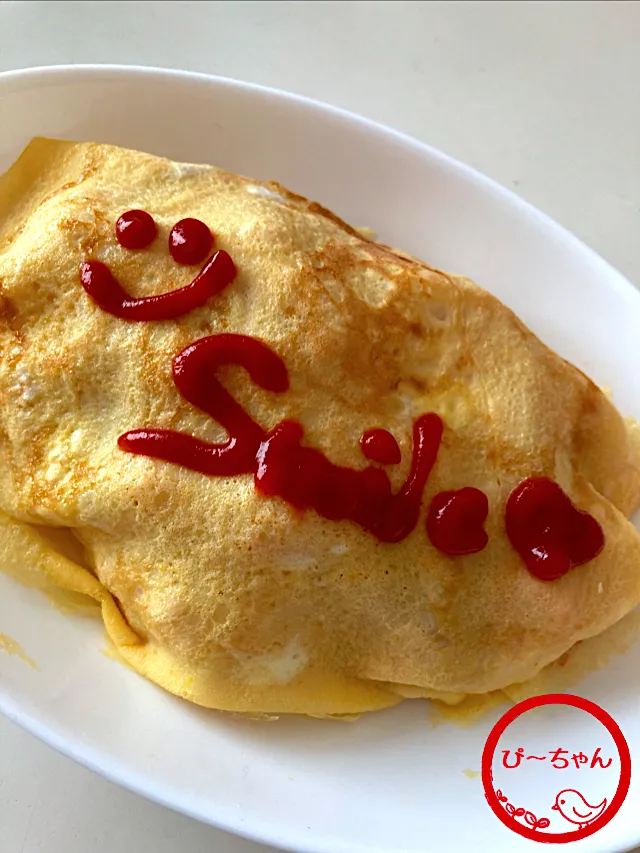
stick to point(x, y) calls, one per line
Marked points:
point(390, 782)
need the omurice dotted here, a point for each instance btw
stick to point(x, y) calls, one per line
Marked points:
point(308, 473)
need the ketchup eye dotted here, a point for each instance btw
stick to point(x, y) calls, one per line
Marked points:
point(190, 242)
point(136, 229)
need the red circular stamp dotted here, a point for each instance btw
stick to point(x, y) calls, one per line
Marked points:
point(572, 792)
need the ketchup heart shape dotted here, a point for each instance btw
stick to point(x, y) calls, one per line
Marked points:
point(548, 531)
point(455, 521)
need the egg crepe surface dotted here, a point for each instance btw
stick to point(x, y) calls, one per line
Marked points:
point(234, 600)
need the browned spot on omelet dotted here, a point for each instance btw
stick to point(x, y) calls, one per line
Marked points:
point(8, 311)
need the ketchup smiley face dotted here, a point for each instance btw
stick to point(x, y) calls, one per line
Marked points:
point(190, 242)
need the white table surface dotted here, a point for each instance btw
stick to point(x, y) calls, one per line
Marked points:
point(544, 97)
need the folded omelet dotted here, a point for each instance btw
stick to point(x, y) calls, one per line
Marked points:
point(325, 591)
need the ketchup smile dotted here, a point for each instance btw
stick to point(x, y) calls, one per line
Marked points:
point(102, 286)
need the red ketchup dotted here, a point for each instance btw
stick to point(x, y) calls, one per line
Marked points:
point(282, 466)
point(455, 521)
point(545, 528)
point(102, 286)
point(190, 241)
point(548, 531)
point(136, 229)
point(194, 375)
point(306, 479)
point(380, 446)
